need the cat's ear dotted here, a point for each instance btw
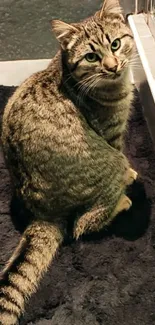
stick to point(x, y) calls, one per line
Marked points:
point(111, 7)
point(63, 32)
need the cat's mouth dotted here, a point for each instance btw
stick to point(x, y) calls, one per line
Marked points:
point(112, 76)
point(117, 75)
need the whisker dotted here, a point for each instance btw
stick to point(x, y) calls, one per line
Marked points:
point(85, 86)
point(135, 54)
point(84, 80)
point(135, 64)
point(136, 68)
point(87, 80)
point(91, 85)
point(134, 60)
point(66, 80)
point(95, 83)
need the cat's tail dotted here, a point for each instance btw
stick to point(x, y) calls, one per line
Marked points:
point(22, 274)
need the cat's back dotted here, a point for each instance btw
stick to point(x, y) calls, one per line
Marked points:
point(37, 103)
point(37, 91)
point(40, 120)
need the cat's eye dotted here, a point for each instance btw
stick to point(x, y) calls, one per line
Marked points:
point(91, 57)
point(115, 44)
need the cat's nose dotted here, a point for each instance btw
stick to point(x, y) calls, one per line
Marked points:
point(110, 63)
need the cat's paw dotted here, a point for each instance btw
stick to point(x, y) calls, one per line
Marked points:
point(131, 176)
point(123, 204)
point(7, 318)
point(126, 203)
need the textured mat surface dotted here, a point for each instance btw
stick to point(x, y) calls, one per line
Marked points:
point(104, 279)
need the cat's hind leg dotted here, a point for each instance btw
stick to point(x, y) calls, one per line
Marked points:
point(98, 217)
point(90, 221)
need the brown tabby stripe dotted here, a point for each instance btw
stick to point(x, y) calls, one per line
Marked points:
point(94, 41)
point(92, 47)
point(108, 38)
point(112, 125)
point(115, 137)
point(34, 254)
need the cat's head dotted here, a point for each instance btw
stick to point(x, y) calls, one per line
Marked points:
point(99, 48)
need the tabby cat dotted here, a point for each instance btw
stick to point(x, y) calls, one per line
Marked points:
point(62, 137)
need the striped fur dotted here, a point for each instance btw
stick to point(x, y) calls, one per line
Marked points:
point(105, 97)
point(25, 268)
point(62, 137)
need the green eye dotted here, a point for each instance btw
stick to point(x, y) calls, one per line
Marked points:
point(91, 57)
point(116, 44)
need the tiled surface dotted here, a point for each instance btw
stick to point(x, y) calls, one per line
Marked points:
point(25, 31)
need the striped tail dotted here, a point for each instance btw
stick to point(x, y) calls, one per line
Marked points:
point(21, 276)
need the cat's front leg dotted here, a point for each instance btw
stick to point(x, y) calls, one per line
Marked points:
point(117, 142)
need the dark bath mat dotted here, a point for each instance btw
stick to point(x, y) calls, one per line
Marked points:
point(106, 278)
